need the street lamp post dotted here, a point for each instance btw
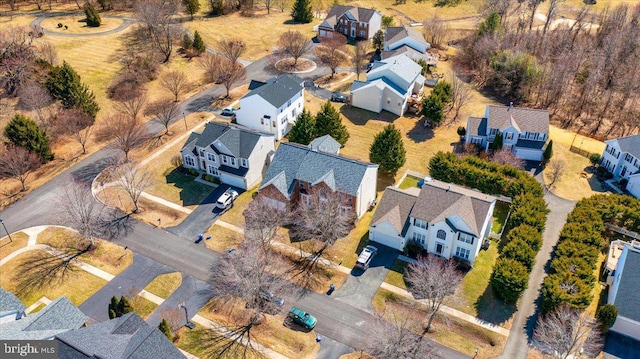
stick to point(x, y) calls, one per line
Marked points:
point(5, 229)
point(184, 118)
point(189, 324)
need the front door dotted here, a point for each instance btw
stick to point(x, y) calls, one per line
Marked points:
point(439, 248)
point(353, 32)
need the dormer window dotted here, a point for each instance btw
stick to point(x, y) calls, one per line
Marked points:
point(201, 153)
point(244, 163)
point(441, 234)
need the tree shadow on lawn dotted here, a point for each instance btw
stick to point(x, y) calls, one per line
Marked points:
point(385, 180)
point(360, 117)
point(420, 133)
point(192, 192)
point(493, 310)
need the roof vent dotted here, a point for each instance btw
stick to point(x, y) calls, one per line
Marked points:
point(427, 179)
point(448, 188)
point(510, 106)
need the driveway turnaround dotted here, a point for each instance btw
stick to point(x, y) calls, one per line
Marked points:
point(131, 281)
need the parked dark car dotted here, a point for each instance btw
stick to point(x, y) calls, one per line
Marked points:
point(338, 97)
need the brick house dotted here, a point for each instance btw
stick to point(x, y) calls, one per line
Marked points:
point(352, 22)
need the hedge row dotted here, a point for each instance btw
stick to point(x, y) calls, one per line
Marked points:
point(572, 279)
point(527, 220)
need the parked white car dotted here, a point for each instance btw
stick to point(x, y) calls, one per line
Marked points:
point(226, 199)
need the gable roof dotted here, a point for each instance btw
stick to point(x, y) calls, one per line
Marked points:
point(627, 296)
point(58, 317)
point(477, 126)
point(355, 13)
point(9, 303)
point(276, 90)
point(629, 144)
point(394, 207)
point(464, 209)
point(238, 140)
point(526, 119)
point(293, 162)
point(397, 33)
point(401, 65)
point(126, 337)
point(325, 144)
point(381, 84)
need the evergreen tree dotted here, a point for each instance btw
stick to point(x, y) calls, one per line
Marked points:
point(433, 109)
point(548, 152)
point(303, 131)
point(198, 44)
point(187, 43)
point(165, 329)
point(191, 6)
point(497, 142)
point(443, 91)
point(492, 25)
point(93, 18)
point(378, 41)
point(607, 315)
point(64, 84)
point(301, 11)
point(112, 314)
point(328, 122)
point(387, 150)
point(113, 308)
point(124, 306)
point(24, 132)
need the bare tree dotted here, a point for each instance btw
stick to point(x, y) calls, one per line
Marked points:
point(359, 57)
point(262, 221)
point(268, 4)
point(17, 162)
point(295, 44)
point(461, 94)
point(552, 12)
point(47, 51)
point(282, 4)
point(395, 336)
point(506, 157)
point(232, 49)
point(126, 132)
point(435, 31)
point(79, 210)
point(78, 125)
point(333, 51)
point(132, 105)
point(17, 57)
point(157, 18)
point(209, 63)
point(175, 82)
point(163, 111)
point(34, 97)
point(556, 169)
point(230, 73)
point(568, 333)
point(433, 279)
point(134, 180)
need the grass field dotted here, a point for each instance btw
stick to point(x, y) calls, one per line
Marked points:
point(76, 24)
point(234, 214)
point(346, 249)
point(19, 240)
point(164, 284)
point(77, 285)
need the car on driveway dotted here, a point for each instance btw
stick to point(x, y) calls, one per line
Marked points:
point(338, 97)
point(302, 318)
point(228, 112)
point(366, 256)
point(226, 199)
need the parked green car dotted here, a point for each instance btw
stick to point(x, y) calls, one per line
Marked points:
point(302, 318)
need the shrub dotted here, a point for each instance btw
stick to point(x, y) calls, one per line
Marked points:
point(575, 266)
point(64, 84)
point(509, 279)
point(210, 178)
point(595, 159)
point(560, 288)
point(461, 131)
point(165, 329)
point(526, 233)
point(520, 251)
point(198, 43)
point(24, 132)
point(59, 25)
point(93, 18)
point(607, 315)
point(387, 150)
point(571, 249)
point(301, 11)
point(193, 172)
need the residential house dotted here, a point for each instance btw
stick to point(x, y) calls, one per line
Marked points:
point(389, 86)
point(297, 171)
point(352, 22)
point(623, 292)
point(524, 131)
point(405, 39)
point(57, 317)
point(442, 218)
point(11, 308)
point(235, 155)
point(128, 336)
point(621, 157)
point(272, 106)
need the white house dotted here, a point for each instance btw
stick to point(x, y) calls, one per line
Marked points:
point(401, 39)
point(624, 290)
point(444, 219)
point(297, 171)
point(524, 131)
point(390, 83)
point(235, 155)
point(272, 106)
point(621, 157)
point(352, 22)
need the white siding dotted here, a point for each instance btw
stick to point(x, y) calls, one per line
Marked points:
point(409, 41)
point(385, 234)
point(252, 110)
point(448, 244)
point(392, 102)
point(368, 98)
point(257, 159)
point(375, 24)
point(367, 190)
point(634, 186)
point(529, 154)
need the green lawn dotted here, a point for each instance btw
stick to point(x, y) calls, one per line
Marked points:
point(499, 216)
point(409, 182)
point(192, 192)
point(164, 284)
point(396, 274)
point(142, 306)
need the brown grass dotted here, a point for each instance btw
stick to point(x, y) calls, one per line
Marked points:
point(20, 240)
point(142, 306)
point(346, 249)
point(107, 256)
point(77, 25)
point(222, 238)
point(234, 215)
point(78, 285)
point(164, 284)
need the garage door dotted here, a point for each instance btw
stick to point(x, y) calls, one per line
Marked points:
point(528, 154)
point(387, 240)
point(274, 203)
point(233, 180)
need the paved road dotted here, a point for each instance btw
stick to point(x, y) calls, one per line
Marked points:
point(528, 309)
point(332, 349)
point(60, 32)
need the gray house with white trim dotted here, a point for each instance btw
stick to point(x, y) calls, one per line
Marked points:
point(621, 157)
point(624, 290)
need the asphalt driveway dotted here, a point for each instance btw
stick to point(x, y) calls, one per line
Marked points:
point(193, 293)
point(360, 287)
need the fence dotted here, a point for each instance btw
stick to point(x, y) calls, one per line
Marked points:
point(580, 151)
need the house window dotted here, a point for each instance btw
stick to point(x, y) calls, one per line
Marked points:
point(462, 253)
point(211, 157)
point(322, 194)
point(189, 161)
point(363, 34)
point(419, 238)
point(476, 140)
point(284, 119)
point(624, 171)
point(201, 153)
point(628, 158)
point(293, 113)
point(493, 132)
point(273, 123)
point(301, 184)
point(305, 199)
point(344, 211)
point(225, 160)
point(388, 100)
point(213, 171)
point(420, 223)
point(508, 136)
point(288, 103)
point(232, 161)
point(244, 162)
point(441, 234)
point(466, 238)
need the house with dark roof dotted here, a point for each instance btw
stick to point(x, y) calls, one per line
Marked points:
point(405, 39)
point(390, 84)
point(57, 317)
point(623, 292)
point(272, 106)
point(235, 155)
point(11, 308)
point(621, 157)
point(297, 172)
point(352, 22)
point(442, 218)
point(525, 131)
point(126, 337)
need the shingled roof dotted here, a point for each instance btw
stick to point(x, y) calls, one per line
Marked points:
point(397, 33)
point(276, 90)
point(325, 144)
point(9, 303)
point(239, 141)
point(126, 337)
point(293, 162)
point(394, 207)
point(58, 317)
point(524, 119)
point(627, 296)
point(357, 13)
point(629, 144)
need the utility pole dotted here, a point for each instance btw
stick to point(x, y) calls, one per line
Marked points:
point(5, 229)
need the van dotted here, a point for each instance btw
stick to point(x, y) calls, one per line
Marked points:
point(365, 257)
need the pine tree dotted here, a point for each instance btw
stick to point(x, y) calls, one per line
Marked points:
point(328, 122)
point(191, 7)
point(301, 11)
point(387, 150)
point(443, 91)
point(491, 25)
point(187, 43)
point(113, 308)
point(303, 131)
point(124, 306)
point(548, 152)
point(378, 41)
point(165, 329)
point(64, 84)
point(433, 109)
point(93, 18)
point(198, 44)
point(497, 142)
point(24, 132)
